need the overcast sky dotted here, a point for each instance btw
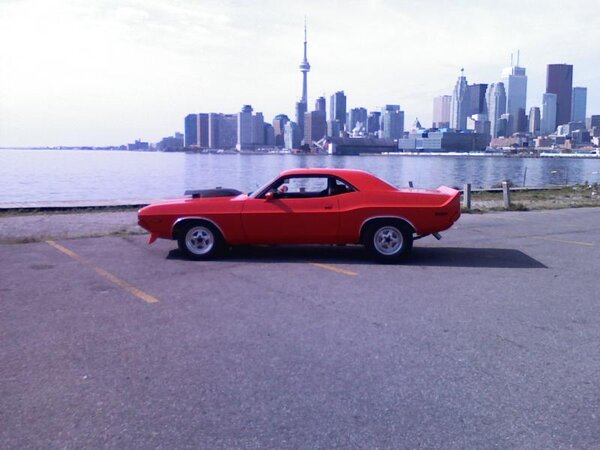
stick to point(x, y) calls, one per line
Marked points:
point(104, 72)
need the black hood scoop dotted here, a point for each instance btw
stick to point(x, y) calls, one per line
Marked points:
point(216, 192)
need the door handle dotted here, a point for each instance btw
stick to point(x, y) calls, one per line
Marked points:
point(328, 206)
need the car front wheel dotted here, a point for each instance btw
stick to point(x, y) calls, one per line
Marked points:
point(200, 241)
point(388, 242)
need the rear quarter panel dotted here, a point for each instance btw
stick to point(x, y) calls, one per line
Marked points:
point(426, 211)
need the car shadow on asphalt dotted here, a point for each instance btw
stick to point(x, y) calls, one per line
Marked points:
point(354, 254)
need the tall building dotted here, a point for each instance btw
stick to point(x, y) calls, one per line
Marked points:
point(496, 105)
point(441, 111)
point(190, 129)
point(292, 137)
point(461, 103)
point(244, 128)
point(269, 135)
point(578, 104)
point(337, 108)
point(392, 122)
point(373, 123)
point(214, 120)
point(279, 128)
point(535, 120)
point(515, 84)
point(203, 130)
point(356, 116)
point(301, 106)
point(258, 129)
point(549, 103)
point(300, 111)
point(315, 127)
point(228, 131)
point(334, 128)
point(559, 81)
point(477, 103)
point(321, 105)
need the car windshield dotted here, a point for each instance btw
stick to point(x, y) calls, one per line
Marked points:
point(255, 193)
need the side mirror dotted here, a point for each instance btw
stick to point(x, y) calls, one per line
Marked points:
point(270, 196)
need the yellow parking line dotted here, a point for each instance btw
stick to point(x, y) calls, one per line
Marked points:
point(333, 269)
point(105, 274)
point(564, 241)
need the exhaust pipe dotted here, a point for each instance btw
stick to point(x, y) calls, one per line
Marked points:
point(438, 236)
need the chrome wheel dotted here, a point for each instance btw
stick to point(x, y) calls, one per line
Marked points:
point(199, 240)
point(388, 240)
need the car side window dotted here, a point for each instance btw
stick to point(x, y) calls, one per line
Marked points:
point(337, 187)
point(301, 187)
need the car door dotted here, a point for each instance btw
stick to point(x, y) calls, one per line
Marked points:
point(304, 213)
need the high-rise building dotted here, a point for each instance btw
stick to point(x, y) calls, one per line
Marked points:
point(441, 111)
point(301, 105)
point(392, 122)
point(228, 131)
point(461, 103)
point(477, 101)
point(292, 137)
point(214, 120)
point(515, 84)
point(258, 129)
point(315, 127)
point(269, 135)
point(578, 104)
point(559, 81)
point(496, 105)
point(279, 128)
point(535, 120)
point(300, 111)
point(244, 128)
point(190, 128)
point(549, 108)
point(321, 105)
point(334, 128)
point(203, 130)
point(373, 122)
point(337, 108)
point(355, 116)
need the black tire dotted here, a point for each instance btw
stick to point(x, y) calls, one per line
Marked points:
point(200, 241)
point(388, 241)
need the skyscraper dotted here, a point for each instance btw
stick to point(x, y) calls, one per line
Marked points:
point(203, 130)
point(190, 127)
point(279, 128)
point(515, 84)
point(337, 108)
point(258, 129)
point(392, 122)
point(315, 127)
point(357, 115)
point(461, 103)
point(292, 135)
point(496, 105)
point(301, 106)
point(559, 81)
point(535, 120)
point(548, 125)
point(477, 101)
point(244, 128)
point(373, 122)
point(578, 107)
point(441, 111)
point(321, 105)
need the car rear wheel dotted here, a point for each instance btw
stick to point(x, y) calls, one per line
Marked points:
point(388, 242)
point(200, 241)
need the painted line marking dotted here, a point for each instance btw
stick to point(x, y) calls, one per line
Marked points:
point(333, 269)
point(105, 274)
point(565, 241)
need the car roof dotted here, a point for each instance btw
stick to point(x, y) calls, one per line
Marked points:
point(360, 179)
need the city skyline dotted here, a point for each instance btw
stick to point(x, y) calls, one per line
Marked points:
point(107, 73)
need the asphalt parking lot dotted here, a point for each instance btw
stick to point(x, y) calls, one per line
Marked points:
point(488, 338)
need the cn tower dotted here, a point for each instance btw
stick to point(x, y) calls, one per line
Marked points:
point(304, 68)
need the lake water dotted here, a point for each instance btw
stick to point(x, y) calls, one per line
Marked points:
point(56, 175)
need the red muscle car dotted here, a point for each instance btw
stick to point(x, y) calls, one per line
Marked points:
point(305, 206)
